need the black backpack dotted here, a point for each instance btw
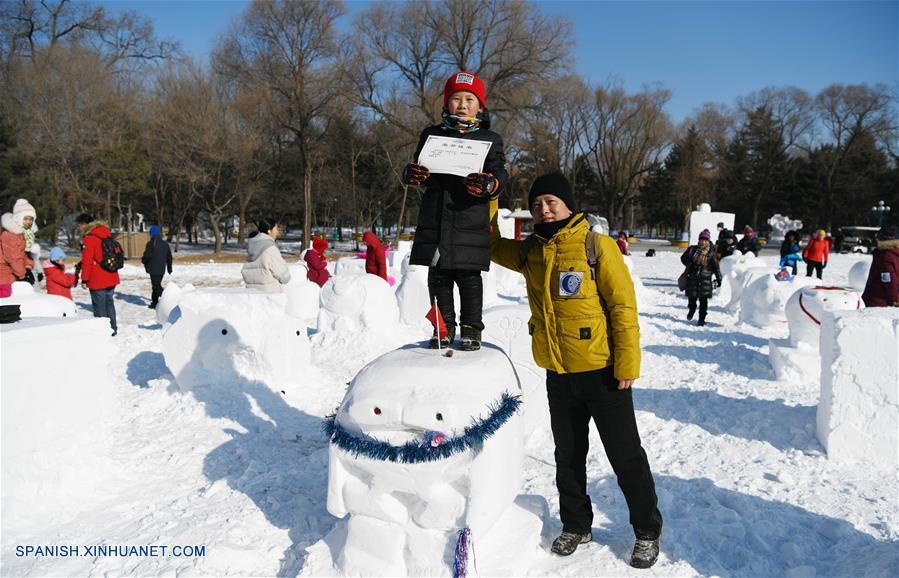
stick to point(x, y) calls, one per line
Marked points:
point(113, 256)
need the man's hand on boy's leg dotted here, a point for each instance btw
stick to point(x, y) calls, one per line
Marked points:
point(483, 185)
point(415, 174)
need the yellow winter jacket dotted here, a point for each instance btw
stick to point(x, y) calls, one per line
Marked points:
point(570, 311)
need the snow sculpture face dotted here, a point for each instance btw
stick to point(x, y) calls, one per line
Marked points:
point(806, 308)
point(354, 303)
point(422, 398)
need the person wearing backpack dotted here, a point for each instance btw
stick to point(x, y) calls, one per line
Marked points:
point(157, 259)
point(99, 266)
point(585, 335)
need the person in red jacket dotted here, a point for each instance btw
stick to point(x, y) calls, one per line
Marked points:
point(375, 261)
point(14, 261)
point(622, 243)
point(58, 281)
point(98, 280)
point(816, 253)
point(317, 263)
point(882, 288)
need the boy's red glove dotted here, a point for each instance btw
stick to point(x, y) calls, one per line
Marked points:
point(482, 185)
point(415, 174)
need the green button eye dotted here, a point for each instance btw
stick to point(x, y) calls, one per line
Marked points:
point(439, 417)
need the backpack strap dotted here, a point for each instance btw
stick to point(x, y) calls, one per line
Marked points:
point(592, 241)
point(524, 249)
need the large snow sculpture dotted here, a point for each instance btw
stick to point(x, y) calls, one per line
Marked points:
point(351, 304)
point(858, 414)
point(763, 301)
point(59, 407)
point(34, 304)
point(425, 458)
point(704, 218)
point(797, 358)
point(737, 272)
point(780, 224)
point(228, 335)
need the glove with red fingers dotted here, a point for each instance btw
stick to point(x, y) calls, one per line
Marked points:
point(482, 185)
point(415, 174)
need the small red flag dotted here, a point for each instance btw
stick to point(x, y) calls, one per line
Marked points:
point(436, 320)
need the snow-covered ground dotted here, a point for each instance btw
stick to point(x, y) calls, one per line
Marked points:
point(744, 486)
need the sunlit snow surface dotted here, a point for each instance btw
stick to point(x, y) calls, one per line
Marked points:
point(744, 485)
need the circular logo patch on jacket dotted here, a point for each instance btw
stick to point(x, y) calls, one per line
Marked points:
point(570, 283)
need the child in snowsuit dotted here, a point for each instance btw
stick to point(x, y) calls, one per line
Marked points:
point(453, 233)
point(790, 253)
point(375, 259)
point(317, 263)
point(58, 281)
point(24, 214)
point(702, 266)
point(15, 263)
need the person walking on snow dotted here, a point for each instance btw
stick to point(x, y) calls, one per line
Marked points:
point(585, 335)
point(157, 259)
point(703, 275)
point(58, 281)
point(816, 254)
point(99, 281)
point(15, 263)
point(453, 238)
point(375, 259)
point(882, 288)
point(265, 268)
point(317, 263)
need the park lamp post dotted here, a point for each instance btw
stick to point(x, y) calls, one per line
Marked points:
point(880, 212)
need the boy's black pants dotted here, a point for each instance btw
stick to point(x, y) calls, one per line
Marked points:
point(471, 295)
point(156, 282)
point(574, 398)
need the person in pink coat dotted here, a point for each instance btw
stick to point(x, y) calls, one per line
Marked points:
point(14, 261)
point(317, 263)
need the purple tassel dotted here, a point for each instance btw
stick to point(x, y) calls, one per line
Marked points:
point(464, 546)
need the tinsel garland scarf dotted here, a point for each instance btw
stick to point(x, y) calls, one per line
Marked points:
point(414, 452)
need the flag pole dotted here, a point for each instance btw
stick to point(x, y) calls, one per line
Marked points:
point(437, 322)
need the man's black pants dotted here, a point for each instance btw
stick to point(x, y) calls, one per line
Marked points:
point(156, 282)
point(471, 295)
point(573, 399)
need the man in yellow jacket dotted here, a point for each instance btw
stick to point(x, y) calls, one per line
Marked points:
point(585, 334)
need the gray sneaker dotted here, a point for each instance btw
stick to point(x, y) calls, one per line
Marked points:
point(568, 542)
point(645, 553)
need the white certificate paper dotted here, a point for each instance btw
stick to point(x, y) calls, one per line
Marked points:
point(454, 156)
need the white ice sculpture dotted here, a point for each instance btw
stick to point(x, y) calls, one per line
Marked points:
point(763, 301)
point(704, 218)
point(226, 336)
point(412, 294)
point(352, 304)
point(858, 414)
point(798, 358)
point(780, 224)
point(412, 466)
point(737, 271)
point(33, 304)
point(858, 274)
point(56, 432)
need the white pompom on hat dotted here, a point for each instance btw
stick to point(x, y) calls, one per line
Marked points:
point(23, 209)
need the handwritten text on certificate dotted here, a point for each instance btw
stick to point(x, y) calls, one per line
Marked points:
point(454, 156)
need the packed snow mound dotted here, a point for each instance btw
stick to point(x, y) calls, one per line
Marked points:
point(349, 266)
point(167, 311)
point(302, 297)
point(226, 336)
point(764, 300)
point(858, 414)
point(354, 304)
point(509, 283)
point(57, 420)
point(858, 275)
point(34, 304)
point(644, 296)
point(424, 446)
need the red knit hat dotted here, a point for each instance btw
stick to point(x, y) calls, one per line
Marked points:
point(319, 244)
point(465, 81)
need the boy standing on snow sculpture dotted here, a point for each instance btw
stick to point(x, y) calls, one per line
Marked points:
point(453, 233)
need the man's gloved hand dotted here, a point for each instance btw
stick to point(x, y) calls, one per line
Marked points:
point(29, 276)
point(40, 277)
point(716, 282)
point(415, 174)
point(482, 185)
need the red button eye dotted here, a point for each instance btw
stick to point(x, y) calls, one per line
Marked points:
point(377, 411)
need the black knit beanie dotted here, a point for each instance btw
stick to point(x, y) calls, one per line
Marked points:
point(552, 184)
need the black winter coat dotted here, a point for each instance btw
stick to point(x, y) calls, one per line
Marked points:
point(699, 277)
point(747, 244)
point(726, 244)
point(157, 257)
point(452, 222)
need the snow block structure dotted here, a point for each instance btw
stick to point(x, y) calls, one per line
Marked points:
point(797, 358)
point(426, 466)
point(858, 414)
point(704, 218)
point(34, 304)
point(228, 335)
point(56, 433)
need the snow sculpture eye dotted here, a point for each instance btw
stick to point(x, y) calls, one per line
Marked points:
point(224, 332)
point(377, 410)
point(298, 333)
point(439, 416)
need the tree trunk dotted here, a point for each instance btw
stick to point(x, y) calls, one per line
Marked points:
point(307, 200)
point(399, 221)
point(217, 232)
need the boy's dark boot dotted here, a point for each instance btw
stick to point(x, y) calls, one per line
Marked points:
point(690, 313)
point(568, 542)
point(445, 340)
point(471, 339)
point(646, 552)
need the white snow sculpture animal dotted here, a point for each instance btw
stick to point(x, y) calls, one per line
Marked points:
point(858, 275)
point(763, 301)
point(806, 308)
point(33, 304)
point(737, 271)
point(353, 303)
point(405, 511)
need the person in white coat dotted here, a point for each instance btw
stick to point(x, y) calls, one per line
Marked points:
point(265, 269)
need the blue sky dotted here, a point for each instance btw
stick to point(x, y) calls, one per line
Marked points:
point(701, 51)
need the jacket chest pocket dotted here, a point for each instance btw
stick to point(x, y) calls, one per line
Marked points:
point(572, 280)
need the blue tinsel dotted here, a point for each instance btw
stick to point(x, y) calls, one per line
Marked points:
point(414, 452)
point(464, 547)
